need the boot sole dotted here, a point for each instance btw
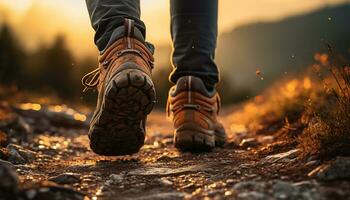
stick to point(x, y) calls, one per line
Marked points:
point(119, 126)
point(190, 137)
point(220, 139)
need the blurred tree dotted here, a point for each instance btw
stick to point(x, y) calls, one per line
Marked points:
point(34, 66)
point(57, 69)
point(11, 57)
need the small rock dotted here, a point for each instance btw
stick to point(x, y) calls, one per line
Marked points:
point(15, 157)
point(267, 139)
point(30, 194)
point(228, 193)
point(3, 162)
point(305, 184)
point(53, 192)
point(27, 154)
point(24, 125)
point(335, 170)
point(165, 181)
point(277, 189)
point(230, 181)
point(164, 171)
point(251, 196)
point(281, 157)
point(245, 166)
point(284, 190)
point(116, 178)
point(249, 186)
point(8, 181)
point(163, 195)
point(312, 162)
point(249, 142)
point(190, 185)
point(66, 178)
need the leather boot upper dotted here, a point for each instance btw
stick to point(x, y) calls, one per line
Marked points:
point(189, 102)
point(125, 50)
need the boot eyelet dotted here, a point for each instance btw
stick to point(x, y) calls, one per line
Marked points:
point(105, 64)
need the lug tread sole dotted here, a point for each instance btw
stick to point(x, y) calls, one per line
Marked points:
point(119, 128)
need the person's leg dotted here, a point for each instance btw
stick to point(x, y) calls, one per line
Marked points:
point(194, 33)
point(126, 93)
point(193, 100)
point(107, 18)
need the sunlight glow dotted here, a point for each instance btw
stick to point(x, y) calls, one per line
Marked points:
point(38, 21)
point(18, 5)
point(79, 117)
point(307, 83)
point(30, 106)
point(291, 88)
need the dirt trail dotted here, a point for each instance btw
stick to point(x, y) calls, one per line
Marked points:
point(159, 171)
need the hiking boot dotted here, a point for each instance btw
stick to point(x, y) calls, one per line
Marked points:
point(126, 96)
point(194, 110)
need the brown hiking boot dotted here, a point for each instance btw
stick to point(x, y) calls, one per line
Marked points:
point(126, 96)
point(194, 111)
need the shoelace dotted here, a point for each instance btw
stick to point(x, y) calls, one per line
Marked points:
point(91, 79)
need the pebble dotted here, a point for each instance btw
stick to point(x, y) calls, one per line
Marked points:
point(165, 181)
point(8, 181)
point(249, 142)
point(281, 157)
point(334, 170)
point(312, 162)
point(53, 192)
point(230, 181)
point(4, 162)
point(164, 171)
point(163, 195)
point(116, 178)
point(15, 157)
point(277, 189)
point(249, 185)
point(30, 194)
point(228, 193)
point(305, 184)
point(267, 139)
point(283, 189)
point(251, 196)
point(66, 178)
point(26, 154)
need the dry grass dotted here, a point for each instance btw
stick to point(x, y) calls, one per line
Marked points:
point(328, 134)
point(309, 111)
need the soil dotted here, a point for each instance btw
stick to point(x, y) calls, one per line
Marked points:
point(248, 167)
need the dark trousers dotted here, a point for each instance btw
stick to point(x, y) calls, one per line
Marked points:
point(193, 31)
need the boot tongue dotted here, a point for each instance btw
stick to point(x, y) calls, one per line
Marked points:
point(191, 83)
point(120, 32)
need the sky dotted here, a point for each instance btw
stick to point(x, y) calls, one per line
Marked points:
point(38, 21)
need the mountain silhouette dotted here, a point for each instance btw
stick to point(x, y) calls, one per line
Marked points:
point(282, 47)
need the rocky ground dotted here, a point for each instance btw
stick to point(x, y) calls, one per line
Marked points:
point(45, 155)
